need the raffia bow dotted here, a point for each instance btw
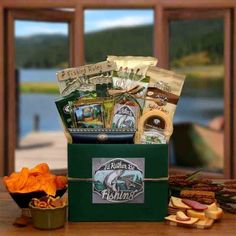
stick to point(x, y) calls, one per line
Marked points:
point(130, 94)
point(120, 92)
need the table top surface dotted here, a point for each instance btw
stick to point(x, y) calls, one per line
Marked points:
point(9, 211)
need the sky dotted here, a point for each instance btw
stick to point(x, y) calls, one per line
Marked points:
point(94, 20)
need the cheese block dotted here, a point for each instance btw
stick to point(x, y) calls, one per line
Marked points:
point(155, 120)
point(215, 215)
point(177, 202)
point(180, 215)
point(172, 218)
point(204, 224)
point(171, 205)
point(196, 214)
point(212, 207)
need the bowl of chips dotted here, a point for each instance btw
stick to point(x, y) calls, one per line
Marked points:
point(34, 183)
point(23, 199)
point(48, 212)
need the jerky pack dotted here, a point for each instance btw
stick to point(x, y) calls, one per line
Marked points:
point(164, 90)
point(93, 78)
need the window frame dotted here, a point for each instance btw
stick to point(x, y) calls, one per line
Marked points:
point(183, 14)
point(11, 102)
point(159, 6)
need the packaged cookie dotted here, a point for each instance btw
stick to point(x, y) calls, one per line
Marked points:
point(88, 77)
point(163, 91)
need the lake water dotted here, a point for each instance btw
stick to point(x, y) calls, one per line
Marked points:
point(39, 75)
point(199, 110)
point(194, 109)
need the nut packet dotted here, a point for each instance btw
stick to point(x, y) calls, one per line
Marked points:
point(163, 91)
point(87, 78)
point(131, 73)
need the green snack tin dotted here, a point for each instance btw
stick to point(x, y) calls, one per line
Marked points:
point(48, 218)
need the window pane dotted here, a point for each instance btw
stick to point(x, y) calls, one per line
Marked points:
point(197, 49)
point(41, 49)
point(118, 32)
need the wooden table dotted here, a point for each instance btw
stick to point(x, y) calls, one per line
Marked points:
point(9, 211)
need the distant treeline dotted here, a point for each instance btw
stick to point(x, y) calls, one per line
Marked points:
point(204, 37)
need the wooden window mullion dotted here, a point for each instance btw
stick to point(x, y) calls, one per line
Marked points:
point(2, 97)
point(79, 36)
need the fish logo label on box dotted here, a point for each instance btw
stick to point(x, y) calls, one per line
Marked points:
point(119, 180)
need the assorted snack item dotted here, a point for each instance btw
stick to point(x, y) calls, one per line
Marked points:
point(117, 97)
point(48, 212)
point(191, 213)
point(36, 179)
point(195, 187)
point(48, 202)
point(164, 90)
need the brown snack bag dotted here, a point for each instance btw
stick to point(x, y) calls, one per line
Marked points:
point(130, 73)
point(164, 90)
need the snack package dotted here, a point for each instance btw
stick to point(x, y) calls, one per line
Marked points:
point(93, 78)
point(108, 106)
point(64, 108)
point(163, 91)
point(87, 114)
point(131, 73)
point(132, 66)
point(126, 114)
point(154, 127)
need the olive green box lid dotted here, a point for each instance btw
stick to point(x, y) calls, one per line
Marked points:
point(86, 162)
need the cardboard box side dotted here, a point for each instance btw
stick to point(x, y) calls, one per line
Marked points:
point(155, 203)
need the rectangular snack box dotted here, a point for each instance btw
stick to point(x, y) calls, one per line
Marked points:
point(117, 182)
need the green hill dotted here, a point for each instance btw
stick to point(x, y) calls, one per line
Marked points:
point(45, 51)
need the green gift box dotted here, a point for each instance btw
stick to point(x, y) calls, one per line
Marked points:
point(117, 182)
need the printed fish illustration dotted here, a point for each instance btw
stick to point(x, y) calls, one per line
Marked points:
point(128, 181)
point(111, 179)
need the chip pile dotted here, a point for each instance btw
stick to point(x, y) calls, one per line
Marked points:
point(36, 179)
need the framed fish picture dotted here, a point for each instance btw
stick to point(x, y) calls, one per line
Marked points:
point(118, 180)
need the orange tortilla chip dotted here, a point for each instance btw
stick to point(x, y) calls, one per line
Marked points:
point(61, 182)
point(48, 184)
point(38, 178)
point(17, 181)
point(42, 168)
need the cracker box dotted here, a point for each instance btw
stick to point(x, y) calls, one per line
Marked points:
point(117, 182)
